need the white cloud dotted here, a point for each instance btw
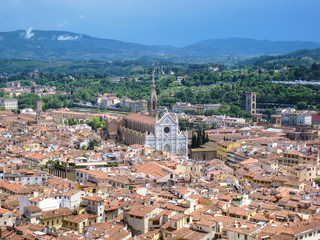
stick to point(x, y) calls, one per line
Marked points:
point(64, 23)
point(81, 16)
point(28, 34)
point(67, 37)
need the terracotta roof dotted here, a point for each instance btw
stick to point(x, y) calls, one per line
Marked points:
point(78, 218)
point(33, 208)
point(56, 213)
point(93, 198)
point(141, 118)
point(140, 210)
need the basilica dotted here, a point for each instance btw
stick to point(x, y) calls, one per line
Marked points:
point(161, 133)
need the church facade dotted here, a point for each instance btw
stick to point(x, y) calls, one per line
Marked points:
point(148, 130)
point(167, 136)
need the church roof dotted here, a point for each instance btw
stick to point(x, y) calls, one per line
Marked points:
point(141, 118)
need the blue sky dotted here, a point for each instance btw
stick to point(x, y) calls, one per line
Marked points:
point(168, 22)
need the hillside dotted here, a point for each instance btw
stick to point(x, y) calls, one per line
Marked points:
point(243, 46)
point(304, 56)
point(61, 45)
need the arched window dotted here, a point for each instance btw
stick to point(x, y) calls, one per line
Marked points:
point(166, 148)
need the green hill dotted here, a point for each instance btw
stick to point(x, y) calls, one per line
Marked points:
point(304, 56)
point(61, 45)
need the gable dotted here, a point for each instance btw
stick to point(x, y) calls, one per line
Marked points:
point(166, 119)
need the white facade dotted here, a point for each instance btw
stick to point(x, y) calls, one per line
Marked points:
point(9, 103)
point(167, 136)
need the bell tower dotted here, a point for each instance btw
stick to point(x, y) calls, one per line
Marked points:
point(153, 102)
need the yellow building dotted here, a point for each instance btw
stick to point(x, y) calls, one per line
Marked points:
point(138, 218)
point(294, 158)
point(243, 212)
point(31, 147)
point(223, 147)
point(55, 217)
point(78, 222)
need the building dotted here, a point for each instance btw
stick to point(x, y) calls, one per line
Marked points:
point(9, 103)
point(55, 217)
point(13, 85)
point(138, 217)
point(294, 158)
point(292, 117)
point(95, 205)
point(225, 121)
point(6, 217)
point(223, 147)
point(167, 136)
point(180, 107)
point(150, 131)
point(135, 105)
point(153, 102)
point(315, 118)
point(78, 222)
point(303, 133)
point(251, 102)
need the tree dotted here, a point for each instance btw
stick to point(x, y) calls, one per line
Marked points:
point(214, 125)
point(203, 136)
point(92, 144)
point(224, 109)
point(302, 105)
point(203, 126)
point(199, 139)
point(207, 138)
point(194, 141)
point(27, 100)
point(211, 111)
point(235, 111)
point(84, 147)
point(183, 124)
point(95, 123)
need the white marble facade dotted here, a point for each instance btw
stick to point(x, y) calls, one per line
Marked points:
point(167, 136)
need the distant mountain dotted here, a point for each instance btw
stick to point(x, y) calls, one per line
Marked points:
point(245, 47)
point(304, 56)
point(61, 45)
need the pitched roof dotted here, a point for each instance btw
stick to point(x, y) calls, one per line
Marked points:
point(141, 118)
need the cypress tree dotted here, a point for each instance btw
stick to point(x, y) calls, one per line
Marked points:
point(194, 141)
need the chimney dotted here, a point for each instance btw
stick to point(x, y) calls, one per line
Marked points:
point(236, 225)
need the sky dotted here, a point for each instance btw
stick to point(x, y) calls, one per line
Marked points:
point(167, 22)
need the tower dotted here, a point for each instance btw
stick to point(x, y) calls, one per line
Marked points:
point(153, 102)
point(251, 102)
point(38, 109)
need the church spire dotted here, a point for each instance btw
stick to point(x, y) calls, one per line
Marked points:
point(153, 102)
